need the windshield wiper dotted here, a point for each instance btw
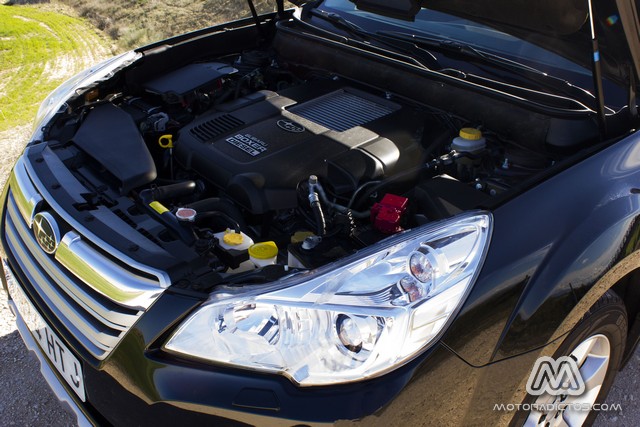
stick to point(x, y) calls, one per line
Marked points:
point(416, 54)
point(455, 48)
point(339, 22)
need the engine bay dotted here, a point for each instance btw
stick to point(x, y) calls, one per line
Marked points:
point(251, 161)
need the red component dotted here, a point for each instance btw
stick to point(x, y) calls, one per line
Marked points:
point(386, 215)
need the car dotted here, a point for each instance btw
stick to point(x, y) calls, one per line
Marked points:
point(339, 213)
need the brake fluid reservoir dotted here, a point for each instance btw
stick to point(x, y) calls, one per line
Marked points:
point(470, 140)
point(473, 144)
point(232, 240)
point(233, 250)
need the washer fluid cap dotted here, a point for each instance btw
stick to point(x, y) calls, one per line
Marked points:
point(264, 250)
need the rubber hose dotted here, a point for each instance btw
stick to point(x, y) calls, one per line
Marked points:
point(231, 223)
point(173, 191)
point(316, 207)
point(216, 204)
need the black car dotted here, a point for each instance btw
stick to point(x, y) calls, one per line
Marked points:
point(349, 212)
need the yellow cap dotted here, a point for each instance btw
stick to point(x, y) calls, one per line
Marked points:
point(263, 250)
point(299, 236)
point(471, 134)
point(232, 238)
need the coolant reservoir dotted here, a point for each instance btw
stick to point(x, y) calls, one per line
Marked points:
point(470, 140)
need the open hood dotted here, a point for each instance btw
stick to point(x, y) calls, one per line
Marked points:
point(560, 26)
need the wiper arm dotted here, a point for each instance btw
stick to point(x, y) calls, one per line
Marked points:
point(462, 49)
point(339, 22)
point(424, 58)
point(414, 54)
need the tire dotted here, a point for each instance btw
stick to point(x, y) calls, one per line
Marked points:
point(602, 332)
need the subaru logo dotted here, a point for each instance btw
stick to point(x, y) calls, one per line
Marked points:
point(290, 126)
point(46, 231)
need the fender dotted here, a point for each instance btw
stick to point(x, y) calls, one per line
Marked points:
point(576, 237)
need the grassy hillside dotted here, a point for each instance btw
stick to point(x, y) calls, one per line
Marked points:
point(138, 22)
point(134, 23)
point(40, 49)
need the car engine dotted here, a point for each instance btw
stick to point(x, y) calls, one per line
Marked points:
point(258, 161)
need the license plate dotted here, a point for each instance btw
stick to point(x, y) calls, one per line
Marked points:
point(57, 352)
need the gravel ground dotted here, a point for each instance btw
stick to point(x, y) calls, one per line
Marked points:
point(26, 399)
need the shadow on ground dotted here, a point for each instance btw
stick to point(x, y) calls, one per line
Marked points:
point(25, 398)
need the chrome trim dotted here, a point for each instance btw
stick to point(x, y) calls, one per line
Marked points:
point(49, 375)
point(97, 309)
point(26, 195)
point(95, 321)
point(163, 277)
point(85, 331)
point(105, 276)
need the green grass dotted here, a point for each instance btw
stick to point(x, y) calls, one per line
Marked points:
point(38, 51)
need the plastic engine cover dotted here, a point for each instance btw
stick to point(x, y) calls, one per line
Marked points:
point(259, 148)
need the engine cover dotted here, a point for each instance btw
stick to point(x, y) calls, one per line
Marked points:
point(258, 148)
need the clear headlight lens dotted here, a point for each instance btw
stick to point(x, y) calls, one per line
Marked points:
point(57, 99)
point(348, 321)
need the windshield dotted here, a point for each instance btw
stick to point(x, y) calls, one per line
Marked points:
point(450, 28)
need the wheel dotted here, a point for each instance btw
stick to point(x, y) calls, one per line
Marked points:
point(596, 346)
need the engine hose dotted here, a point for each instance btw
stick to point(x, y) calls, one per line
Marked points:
point(230, 222)
point(151, 199)
point(216, 204)
point(316, 207)
point(166, 192)
point(316, 187)
point(408, 174)
point(181, 230)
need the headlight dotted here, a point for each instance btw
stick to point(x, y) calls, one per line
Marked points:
point(358, 319)
point(57, 99)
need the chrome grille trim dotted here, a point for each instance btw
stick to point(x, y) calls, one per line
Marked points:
point(163, 277)
point(94, 291)
point(105, 276)
point(97, 308)
point(27, 198)
point(78, 326)
point(93, 322)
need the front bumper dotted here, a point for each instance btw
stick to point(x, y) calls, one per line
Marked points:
point(138, 385)
point(133, 382)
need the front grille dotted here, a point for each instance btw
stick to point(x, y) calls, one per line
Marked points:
point(343, 110)
point(96, 298)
